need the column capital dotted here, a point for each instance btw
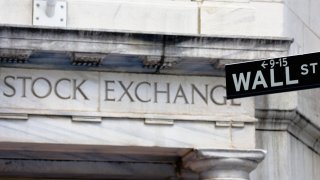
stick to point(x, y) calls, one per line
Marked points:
point(223, 164)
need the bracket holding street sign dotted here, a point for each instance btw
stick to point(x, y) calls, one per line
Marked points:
point(273, 75)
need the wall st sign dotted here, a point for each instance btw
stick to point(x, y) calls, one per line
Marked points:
point(273, 75)
point(104, 94)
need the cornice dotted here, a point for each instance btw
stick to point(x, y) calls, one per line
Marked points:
point(165, 53)
point(291, 121)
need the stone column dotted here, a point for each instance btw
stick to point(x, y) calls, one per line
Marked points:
point(224, 164)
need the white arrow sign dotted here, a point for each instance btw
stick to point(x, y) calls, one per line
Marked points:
point(264, 64)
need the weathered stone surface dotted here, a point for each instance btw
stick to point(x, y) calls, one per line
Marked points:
point(237, 48)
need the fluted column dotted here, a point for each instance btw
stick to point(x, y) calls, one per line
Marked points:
point(223, 164)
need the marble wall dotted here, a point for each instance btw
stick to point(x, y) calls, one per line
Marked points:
point(232, 17)
point(287, 159)
point(303, 24)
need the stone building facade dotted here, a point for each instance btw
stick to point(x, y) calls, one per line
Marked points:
point(135, 89)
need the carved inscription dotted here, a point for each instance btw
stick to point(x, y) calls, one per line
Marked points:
point(41, 87)
point(190, 94)
point(116, 94)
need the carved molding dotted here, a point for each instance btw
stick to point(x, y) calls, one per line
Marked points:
point(87, 59)
point(291, 121)
point(94, 119)
point(219, 64)
point(14, 55)
point(223, 164)
point(151, 62)
point(156, 62)
point(14, 116)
